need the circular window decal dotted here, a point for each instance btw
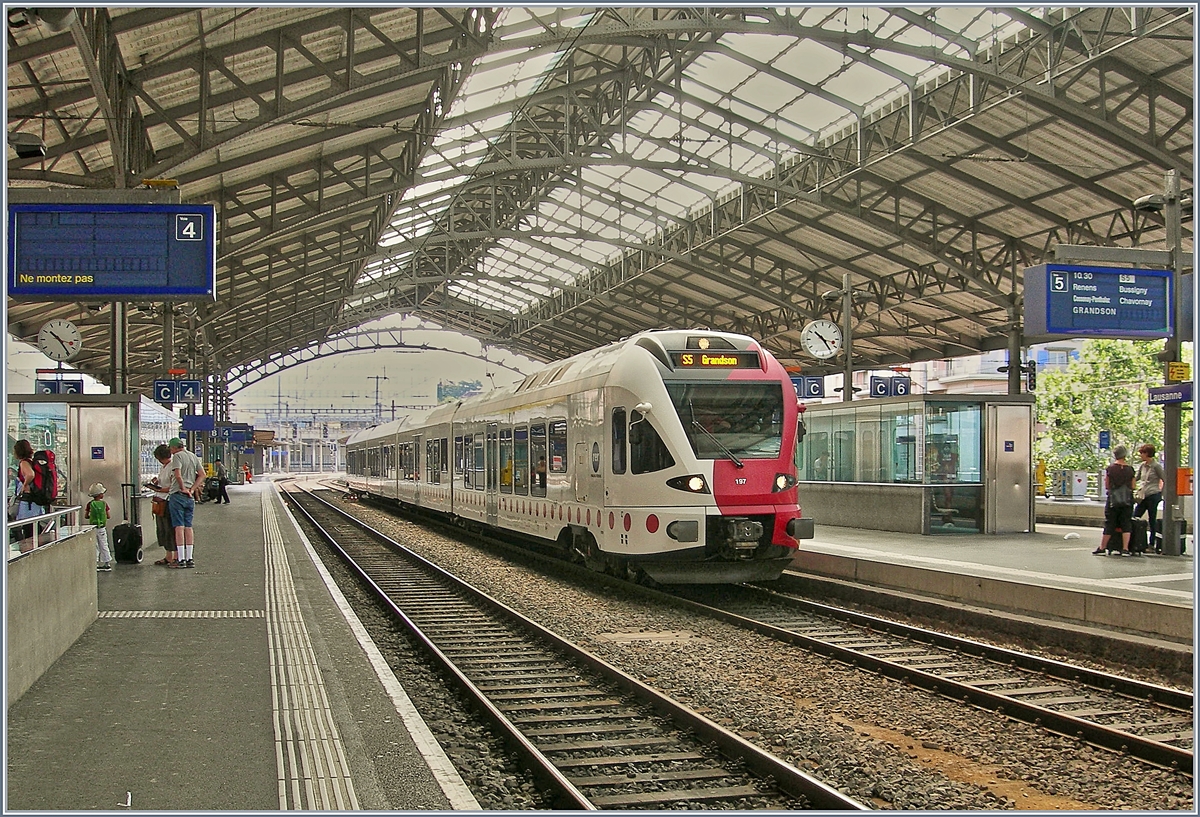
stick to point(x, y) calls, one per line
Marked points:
point(595, 458)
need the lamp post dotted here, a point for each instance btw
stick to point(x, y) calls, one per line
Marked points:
point(1169, 203)
point(1172, 412)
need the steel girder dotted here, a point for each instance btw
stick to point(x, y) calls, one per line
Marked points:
point(778, 243)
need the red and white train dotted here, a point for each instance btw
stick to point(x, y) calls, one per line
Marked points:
point(669, 453)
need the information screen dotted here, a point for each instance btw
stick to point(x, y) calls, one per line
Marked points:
point(111, 252)
point(716, 360)
point(1086, 301)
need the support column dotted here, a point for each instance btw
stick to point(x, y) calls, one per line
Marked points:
point(1015, 336)
point(1172, 412)
point(847, 322)
point(119, 354)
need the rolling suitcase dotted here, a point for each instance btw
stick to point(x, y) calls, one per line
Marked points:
point(127, 543)
point(1139, 537)
point(127, 537)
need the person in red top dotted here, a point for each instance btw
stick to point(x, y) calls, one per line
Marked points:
point(246, 473)
point(1118, 510)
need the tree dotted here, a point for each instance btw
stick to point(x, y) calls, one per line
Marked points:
point(1105, 390)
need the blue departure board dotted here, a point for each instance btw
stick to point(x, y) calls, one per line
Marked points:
point(1091, 301)
point(112, 252)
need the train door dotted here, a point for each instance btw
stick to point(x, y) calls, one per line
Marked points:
point(581, 473)
point(416, 472)
point(492, 498)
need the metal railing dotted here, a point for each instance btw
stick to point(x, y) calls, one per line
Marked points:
point(45, 529)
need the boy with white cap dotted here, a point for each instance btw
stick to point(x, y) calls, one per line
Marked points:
point(97, 511)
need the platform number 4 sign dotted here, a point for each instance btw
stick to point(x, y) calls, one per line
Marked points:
point(189, 227)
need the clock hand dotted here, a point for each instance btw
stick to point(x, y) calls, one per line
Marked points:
point(61, 342)
point(824, 340)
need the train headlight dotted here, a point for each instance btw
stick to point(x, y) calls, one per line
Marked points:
point(693, 483)
point(782, 482)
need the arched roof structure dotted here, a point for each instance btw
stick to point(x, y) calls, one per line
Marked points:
point(550, 179)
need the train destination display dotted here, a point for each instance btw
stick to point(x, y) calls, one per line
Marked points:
point(1090, 301)
point(112, 251)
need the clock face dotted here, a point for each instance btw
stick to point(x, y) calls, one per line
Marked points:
point(60, 340)
point(822, 339)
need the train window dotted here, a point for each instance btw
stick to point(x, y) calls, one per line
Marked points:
point(416, 460)
point(458, 455)
point(735, 417)
point(647, 451)
point(506, 460)
point(619, 432)
point(444, 459)
point(521, 460)
point(558, 447)
point(464, 459)
point(388, 466)
point(477, 467)
point(537, 456)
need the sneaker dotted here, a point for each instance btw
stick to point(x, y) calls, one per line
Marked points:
point(178, 564)
point(105, 568)
point(191, 563)
point(1100, 552)
point(1125, 553)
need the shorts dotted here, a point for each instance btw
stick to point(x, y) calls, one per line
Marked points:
point(181, 507)
point(25, 510)
point(1118, 516)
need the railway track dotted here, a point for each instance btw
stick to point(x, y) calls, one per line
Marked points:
point(591, 736)
point(1150, 722)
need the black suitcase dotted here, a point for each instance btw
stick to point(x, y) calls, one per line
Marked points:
point(212, 488)
point(1139, 537)
point(1158, 535)
point(127, 543)
point(127, 536)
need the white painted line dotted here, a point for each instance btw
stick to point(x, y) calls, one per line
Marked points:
point(440, 765)
point(1166, 577)
point(993, 571)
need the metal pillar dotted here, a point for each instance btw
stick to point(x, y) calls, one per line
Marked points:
point(119, 354)
point(1172, 412)
point(168, 338)
point(847, 316)
point(1015, 367)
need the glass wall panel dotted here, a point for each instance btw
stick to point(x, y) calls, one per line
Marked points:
point(45, 426)
point(955, 508)
point(953, 433)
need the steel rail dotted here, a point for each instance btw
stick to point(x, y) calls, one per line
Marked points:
point(1153, 751)
point(787, 777)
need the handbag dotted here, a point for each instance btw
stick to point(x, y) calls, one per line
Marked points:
point(158, 506)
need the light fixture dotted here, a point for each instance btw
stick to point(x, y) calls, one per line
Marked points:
point(1150, 203)
point(27, 145)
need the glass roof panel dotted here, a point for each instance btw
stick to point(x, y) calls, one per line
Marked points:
point(744, 105)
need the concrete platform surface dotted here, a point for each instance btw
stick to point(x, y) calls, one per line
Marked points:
point(1051, 572)
point(244, 683)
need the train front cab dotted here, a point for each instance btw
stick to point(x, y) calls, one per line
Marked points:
point(700, 483)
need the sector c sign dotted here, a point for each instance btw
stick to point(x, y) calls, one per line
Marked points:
point(1103, 302)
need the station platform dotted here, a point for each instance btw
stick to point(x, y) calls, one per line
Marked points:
point(245, 683)
point(1049, 574)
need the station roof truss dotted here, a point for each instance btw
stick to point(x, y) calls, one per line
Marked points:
point(548, 180)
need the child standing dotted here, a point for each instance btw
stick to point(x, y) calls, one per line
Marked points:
point(97, 511)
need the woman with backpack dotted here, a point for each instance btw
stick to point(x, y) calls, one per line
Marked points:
point(26, 507)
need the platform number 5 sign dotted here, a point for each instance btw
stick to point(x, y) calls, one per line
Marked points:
point(189, 227)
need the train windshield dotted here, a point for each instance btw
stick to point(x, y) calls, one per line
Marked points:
point(731, 419)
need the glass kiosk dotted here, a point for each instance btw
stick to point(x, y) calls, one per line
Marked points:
point(920, 464)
